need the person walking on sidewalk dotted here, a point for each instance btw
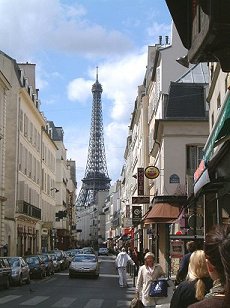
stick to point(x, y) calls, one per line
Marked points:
point(121, 262)
point(147, 273)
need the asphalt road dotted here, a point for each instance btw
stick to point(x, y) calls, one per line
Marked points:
point(61, 291)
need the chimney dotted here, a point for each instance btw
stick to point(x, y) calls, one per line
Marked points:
point(160, 39)
point(166, 40)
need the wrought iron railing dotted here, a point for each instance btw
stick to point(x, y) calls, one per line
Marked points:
point(28, 209)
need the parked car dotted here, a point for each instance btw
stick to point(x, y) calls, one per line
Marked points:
point(88, 250)
point(37, 266)
point(5, 273)
point(56, 262)
point(84, 265)
point(103, 251)
point(20, 271)
point(48, 263)
point(62, 258)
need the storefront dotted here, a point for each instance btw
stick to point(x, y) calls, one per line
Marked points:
point(212, 178)
point(165, 211)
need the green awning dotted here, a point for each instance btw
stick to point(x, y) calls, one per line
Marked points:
point(220, 130)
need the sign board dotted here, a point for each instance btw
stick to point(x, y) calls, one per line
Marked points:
point(152, 172)
point(176, 249)
point(141, 200)
point(136, 214)
point(140, 181)
point(174, 178)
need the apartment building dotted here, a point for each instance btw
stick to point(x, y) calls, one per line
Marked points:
point(28, 163)
point(5, 86)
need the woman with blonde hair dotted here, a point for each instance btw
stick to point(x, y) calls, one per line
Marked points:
point(197, 283)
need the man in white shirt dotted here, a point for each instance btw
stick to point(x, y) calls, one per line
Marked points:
point(121, 263)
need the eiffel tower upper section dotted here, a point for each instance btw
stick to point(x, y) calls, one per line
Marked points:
point(96, 176)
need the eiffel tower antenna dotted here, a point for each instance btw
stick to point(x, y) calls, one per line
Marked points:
point(96, 176)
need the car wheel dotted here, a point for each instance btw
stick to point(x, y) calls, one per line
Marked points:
point(20, 281)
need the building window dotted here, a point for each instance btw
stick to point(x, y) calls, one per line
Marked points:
point(194, 157)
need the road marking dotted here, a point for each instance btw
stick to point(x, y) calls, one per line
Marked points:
point(100, 275)
point(64, 302)
point(94, 303)
point(34, 301)
point(8, 298)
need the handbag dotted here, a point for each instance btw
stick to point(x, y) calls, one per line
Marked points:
point(136, 303)
point(159, 288)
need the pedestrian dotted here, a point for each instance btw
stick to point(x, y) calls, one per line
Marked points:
point(147, 273)
point(121, 262)
point(137, 260)
point(217, 252)
point(183, 269)
point(197, 283)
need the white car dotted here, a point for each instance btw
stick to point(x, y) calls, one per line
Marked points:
point(103, 251)
point(84, 265)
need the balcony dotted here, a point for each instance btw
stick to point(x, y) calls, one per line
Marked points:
point(28, 209)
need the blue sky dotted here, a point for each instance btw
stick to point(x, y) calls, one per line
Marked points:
point(67, 39)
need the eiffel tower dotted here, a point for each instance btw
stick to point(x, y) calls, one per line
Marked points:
point(96, 176)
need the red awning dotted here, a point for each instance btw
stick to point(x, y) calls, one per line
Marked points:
point(163, 213)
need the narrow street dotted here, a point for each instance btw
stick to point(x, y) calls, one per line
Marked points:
point(61, 291)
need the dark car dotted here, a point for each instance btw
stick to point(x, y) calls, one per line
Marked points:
point(5, 273)
point(48, 263)
point(62, 258)
point(89, 250)
point(37, 266)
point(103, 251)
point(20, 271)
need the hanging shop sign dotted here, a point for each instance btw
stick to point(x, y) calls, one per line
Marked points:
point(152, 172)
point(136, 214)
point(140, 181)
point(141, 200)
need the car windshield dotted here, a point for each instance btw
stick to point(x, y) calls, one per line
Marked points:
point(84, 258)
point(32, 260)
point(14, 262)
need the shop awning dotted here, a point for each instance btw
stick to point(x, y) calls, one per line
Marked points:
point(220, 130)
point(163, 213)
point(203, 180)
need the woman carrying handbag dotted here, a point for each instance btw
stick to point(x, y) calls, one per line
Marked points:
point(146, 274)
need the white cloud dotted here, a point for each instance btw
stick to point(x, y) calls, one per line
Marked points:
point(79, 90)
point(31, 25)
point(120, 80)
point(115, 141)
point(158, 29)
